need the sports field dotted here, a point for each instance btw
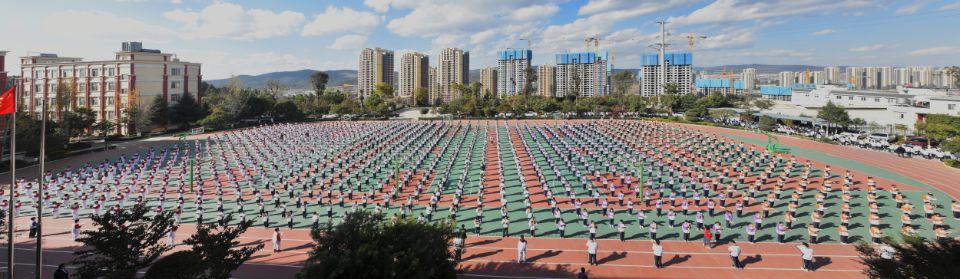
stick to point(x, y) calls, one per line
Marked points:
point(305, 173)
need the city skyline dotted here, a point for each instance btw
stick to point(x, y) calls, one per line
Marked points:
point(251, 37)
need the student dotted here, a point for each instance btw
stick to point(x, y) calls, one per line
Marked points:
point(621, 227)
point(706, 236)
point(276, 240)
point(522, 250)
point(458, 247)
point(76, 229)
point(734, 250)
point(172, 236)
point(657, 254)
point(33, 227)
point(582, 274)
point(806, 253)
point(591, 252)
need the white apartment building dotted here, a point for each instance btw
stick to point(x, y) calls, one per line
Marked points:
point(584, 74)
point(547, 80)
point(414, 74)
point(787, 78)
point(512, 68)
point(885, 108)
point(375, 67)
point(749, 77)
point(833, 75)
point(109, 86)
point(453, 68)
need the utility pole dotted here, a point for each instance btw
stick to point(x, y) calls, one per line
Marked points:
point(662, 46)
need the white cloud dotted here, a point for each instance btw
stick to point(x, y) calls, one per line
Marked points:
point(911, 8)
point(951, 6)
point(484, 36)
point(228, 20)
point(219, 64)
point(102, 25)
point(431, 18)
point(352, 41)
point(378, 5)
point(176, 1)
point(339, 20)
point(534, 12)
point(732, 10)
point(569, 36)
point(941, 50)
point(867, 48)
point(825, 32)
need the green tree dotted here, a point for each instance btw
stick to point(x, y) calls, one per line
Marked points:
point(217, 119)
point(834, 115)
point(79, 120)
point(122, 243)
point(914, 258)
point(319, 81)
point(767, 123)
point(623, 81)
point(762, 104)
point(384, 89)
point(178, 265)
point(160, 112)
point(219, 249)
point(363, 246)
point(695, 113)
point(186, 111)
point(288, 111)
point(421, 96)
point(103, 128)
point(951, 145)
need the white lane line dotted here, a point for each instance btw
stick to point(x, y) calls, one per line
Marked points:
point(650, 252)
point(671, 266)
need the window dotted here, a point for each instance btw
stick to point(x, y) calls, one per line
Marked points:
point(123, 91)
point(95, 72)
point(123, 77)
point(109, 101)
point(863, 99)
point(94, 101)
point(175, 85)
point(94, 86)
point(80, 100)
point(890, 100)
point(850, 98)
point(951, 106)
point(876, 100)
point(839, 97)
point(111, 86)
point(175, 71)
point(37, 88)
point(81, 73)
point(81, 87)
point(175, 97)
point(110, 72)
point(901, 116)
point(65, 73)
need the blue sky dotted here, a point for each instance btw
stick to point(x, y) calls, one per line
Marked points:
point(252, 37)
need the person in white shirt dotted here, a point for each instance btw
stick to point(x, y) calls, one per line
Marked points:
point(734, 250)
point(806, 253)
point(657, 254)
point(591, 252)
point(522, 250)
point(276, 240)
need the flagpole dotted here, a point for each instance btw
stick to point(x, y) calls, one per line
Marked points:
point(13, 179)
point(43, 160)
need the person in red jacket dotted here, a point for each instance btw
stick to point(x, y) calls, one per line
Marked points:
point(706, 236)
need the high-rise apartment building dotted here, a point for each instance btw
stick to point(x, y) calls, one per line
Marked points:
point(512, 66)
point(922, 76)
point(488, 81)
point(376, 67)
point(819, 77)
point(679, 71)
point(902, 76)
point(434, 87)
point(749, 77)
point(453, 68)
point(135, 77)
point(788, 78)
point(856, 77)
point(547, 80)
point(414, 74)
point(584, 74)
point(886, 78)
point(833, 75)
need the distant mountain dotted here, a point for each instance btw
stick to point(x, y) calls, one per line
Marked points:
point(291, 79)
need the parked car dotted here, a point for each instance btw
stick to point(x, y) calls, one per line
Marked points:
point(921, 141)
point(882, 137)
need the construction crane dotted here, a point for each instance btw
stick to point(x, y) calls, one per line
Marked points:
point(691, 38)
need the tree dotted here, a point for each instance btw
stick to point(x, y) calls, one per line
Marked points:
point(623, 81)
point(135, 116)
point(952, 145)
point(763, 104)
point(767, 123)
point(288, 111)
point(186, 111)
point(179, 265)
point(65, 97)
point(103, 128)
point(788, 122)
point(384, 89)
point(834, 115)
point(218, 248)
point(319, 82)
point(160, 112)
point(421, 96)
point(122, 243)
point(274, 87)
point(363, 246)
point(914, 258)
point(78, 120)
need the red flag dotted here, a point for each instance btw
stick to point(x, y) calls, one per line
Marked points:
point(8, 103)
